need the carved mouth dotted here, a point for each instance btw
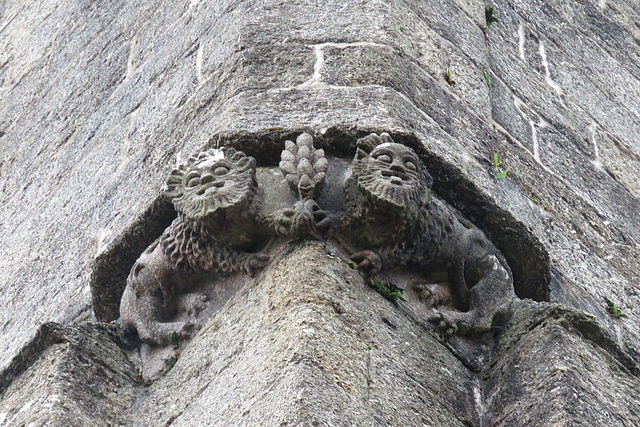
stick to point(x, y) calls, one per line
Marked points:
point(213, 186)
point(394, 177)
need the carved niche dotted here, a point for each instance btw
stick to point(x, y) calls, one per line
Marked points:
point(377, 210)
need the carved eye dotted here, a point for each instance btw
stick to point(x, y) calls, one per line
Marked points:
point(193, 179)
point(384, 158)
point(411, 166)
point(221, 170)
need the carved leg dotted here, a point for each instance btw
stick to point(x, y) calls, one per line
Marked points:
point(368, 262)
point(490, 292)
point(431, 295)
point(159, 333)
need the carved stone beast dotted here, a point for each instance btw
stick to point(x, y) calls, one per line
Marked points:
point(392, 221)
point(217, 229)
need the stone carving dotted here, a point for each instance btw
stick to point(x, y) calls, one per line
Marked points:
point(218, 199)
point(304, 169)
point(392, 221)
point(388, 220)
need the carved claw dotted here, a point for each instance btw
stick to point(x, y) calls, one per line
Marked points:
point(323, 220)
point(432, 295)
point(255, 263)
point(443, 323)
point(194, 303)
point(159, 333)
point(449, 322)
point(305, 220)
point(368, 262)
point(188, 329)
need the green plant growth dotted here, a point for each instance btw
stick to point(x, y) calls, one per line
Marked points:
point(488, 16)
point(449, 79)
point(627, 344)
point(496, 168)
point(171, 359)
point(487, 79)
point(387, 290)
point(613, 310)
point(135, 375)
point(174, 340)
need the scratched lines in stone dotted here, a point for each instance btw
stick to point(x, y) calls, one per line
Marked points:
point(535, 122)
point(547, 75)
point(132, 49)
point(543, 59)
point(316, 79)
point(521, 41)
point(199, 58)
point(597, 162)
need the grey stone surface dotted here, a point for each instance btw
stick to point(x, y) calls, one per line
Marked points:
point(311, 346)
point(99, 100)
point(69, 376)
point(556, 366)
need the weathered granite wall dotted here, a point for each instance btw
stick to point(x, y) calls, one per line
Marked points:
point(99, 100)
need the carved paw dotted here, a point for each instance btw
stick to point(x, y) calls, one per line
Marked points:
point(255, 263)
point(159, 333)
point(431, 295)
point(368, 262)
point(449, 322)
point(194, 303)
point(305, 220)
point(443, 323)
point(188, 329)
point(323, 220)
point(371, 141)
point(283, 221)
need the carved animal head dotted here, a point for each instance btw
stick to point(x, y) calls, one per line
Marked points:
point(213, 182)
point(390, 172)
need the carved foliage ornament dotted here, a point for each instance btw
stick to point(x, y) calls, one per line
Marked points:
point(388, 220)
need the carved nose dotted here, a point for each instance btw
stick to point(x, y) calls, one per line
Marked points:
point(397, 166)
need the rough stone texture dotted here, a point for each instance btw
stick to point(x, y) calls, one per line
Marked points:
point(556, 366)
point(69, 376)
point(312, 346)
point(98, 101)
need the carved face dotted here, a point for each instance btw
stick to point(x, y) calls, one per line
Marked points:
point(211, 183)
point(394, 173)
